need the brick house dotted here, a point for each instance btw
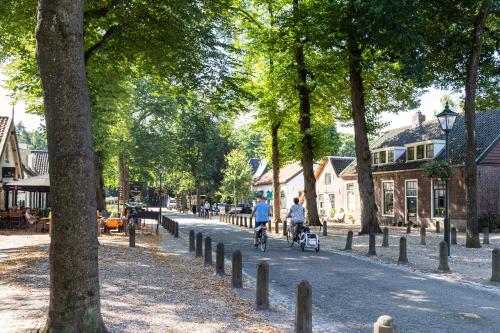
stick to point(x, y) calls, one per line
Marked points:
point(329, 184)
point(403, 193)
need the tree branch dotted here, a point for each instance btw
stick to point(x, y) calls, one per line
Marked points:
point(99, 12)
point(94, 48)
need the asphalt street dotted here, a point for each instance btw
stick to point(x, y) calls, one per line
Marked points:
point(349, 294)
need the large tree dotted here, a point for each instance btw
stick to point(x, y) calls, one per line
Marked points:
point(74, 274)
point(375, 45)
point(463, 55)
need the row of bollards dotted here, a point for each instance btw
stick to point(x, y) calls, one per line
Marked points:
point(443, 249)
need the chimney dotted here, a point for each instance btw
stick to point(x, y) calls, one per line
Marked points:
point(417, 119)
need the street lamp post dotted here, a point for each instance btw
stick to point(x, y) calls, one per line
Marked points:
point(446, 121)
point(160, 172)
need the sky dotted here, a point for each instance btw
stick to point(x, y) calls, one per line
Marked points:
point(429, 103)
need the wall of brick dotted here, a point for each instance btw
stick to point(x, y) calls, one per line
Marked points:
point(488, 183)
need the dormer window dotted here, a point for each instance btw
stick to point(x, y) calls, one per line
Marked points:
point(383, 157)
point(387, 155)
point(390, 156)
point(410, 153)
point(423, 150)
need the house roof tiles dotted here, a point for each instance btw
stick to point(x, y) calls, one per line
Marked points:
point(40, 161)
point(487, 132)
point(287, 172)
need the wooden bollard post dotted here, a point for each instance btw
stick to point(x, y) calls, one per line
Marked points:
point(385, 240)
point(443, 257)
point(241, 220)
point(276, 226)
point(495, 265)
point(285, 231)
point(131, 233)
point(199, 244)
point(371, 245)
point(303, 308)
point(232, 219)
point(262, 288)
point(403, 258)
point(408, 228)
point(250, 223)
point(219, 259)
point(438, 227)
point(191, 241)
point(246, 222)
point(270, 227)
point(208, 251)
point(454, 236)
point(385, 324)
point(423, 241)
point(237, 270)
point(486, 235)
point(348, 242)
point(325, 228)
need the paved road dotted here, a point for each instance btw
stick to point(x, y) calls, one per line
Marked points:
point(349, 294)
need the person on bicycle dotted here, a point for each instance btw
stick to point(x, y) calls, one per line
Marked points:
point(297, 215)
point(261, 212)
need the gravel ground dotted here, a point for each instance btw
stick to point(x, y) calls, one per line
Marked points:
point(472, 265)
point(142, 290)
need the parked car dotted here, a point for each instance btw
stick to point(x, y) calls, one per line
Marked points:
point(222, 208)
point(241, 209)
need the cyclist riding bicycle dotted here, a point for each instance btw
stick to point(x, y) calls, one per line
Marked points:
point(297, 214)
point(261, 212)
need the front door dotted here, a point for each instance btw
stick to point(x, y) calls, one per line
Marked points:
point(411, 201)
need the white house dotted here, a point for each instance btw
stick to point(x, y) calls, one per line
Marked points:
point(10, 161)
point(291, 182)
point(330, 187)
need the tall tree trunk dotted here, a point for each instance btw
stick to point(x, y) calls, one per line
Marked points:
point(124, 181)
point(99, 183)
point(74, 275)
point(472, 237)
point(363, 156)
point(305, 125)
point(276, 171)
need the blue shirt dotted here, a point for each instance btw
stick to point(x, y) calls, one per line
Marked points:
point(261, 212)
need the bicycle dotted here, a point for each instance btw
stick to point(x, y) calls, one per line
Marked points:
point(261, 237)
point(290, 239)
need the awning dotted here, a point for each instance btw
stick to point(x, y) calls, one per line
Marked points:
point(32, 184)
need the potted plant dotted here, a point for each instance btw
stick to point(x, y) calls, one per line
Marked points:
point(437, 170)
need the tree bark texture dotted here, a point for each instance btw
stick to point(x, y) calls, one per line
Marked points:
point(99, 184)
point(74, 275)
point(363, 156)
point(276, 171)
point(124, 181)
point(305, 126)
point(472, 237)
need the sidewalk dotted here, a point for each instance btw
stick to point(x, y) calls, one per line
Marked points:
point(156, 287)
point(470, 265)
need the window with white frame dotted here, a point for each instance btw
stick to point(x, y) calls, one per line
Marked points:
point(383, 157)
point(283, 200)
point(328, 178)
point(332, 200)
point(388, 198)
point(438, 198)
point(321, 201)
point(410, 153)
point(376, 159)
point(429, 150)
point(390, 156)
point(350, 197)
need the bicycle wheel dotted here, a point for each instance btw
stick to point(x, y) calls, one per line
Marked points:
point(263, 243)
point(289, 238)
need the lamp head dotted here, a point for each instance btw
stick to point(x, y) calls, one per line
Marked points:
point(446, 118)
